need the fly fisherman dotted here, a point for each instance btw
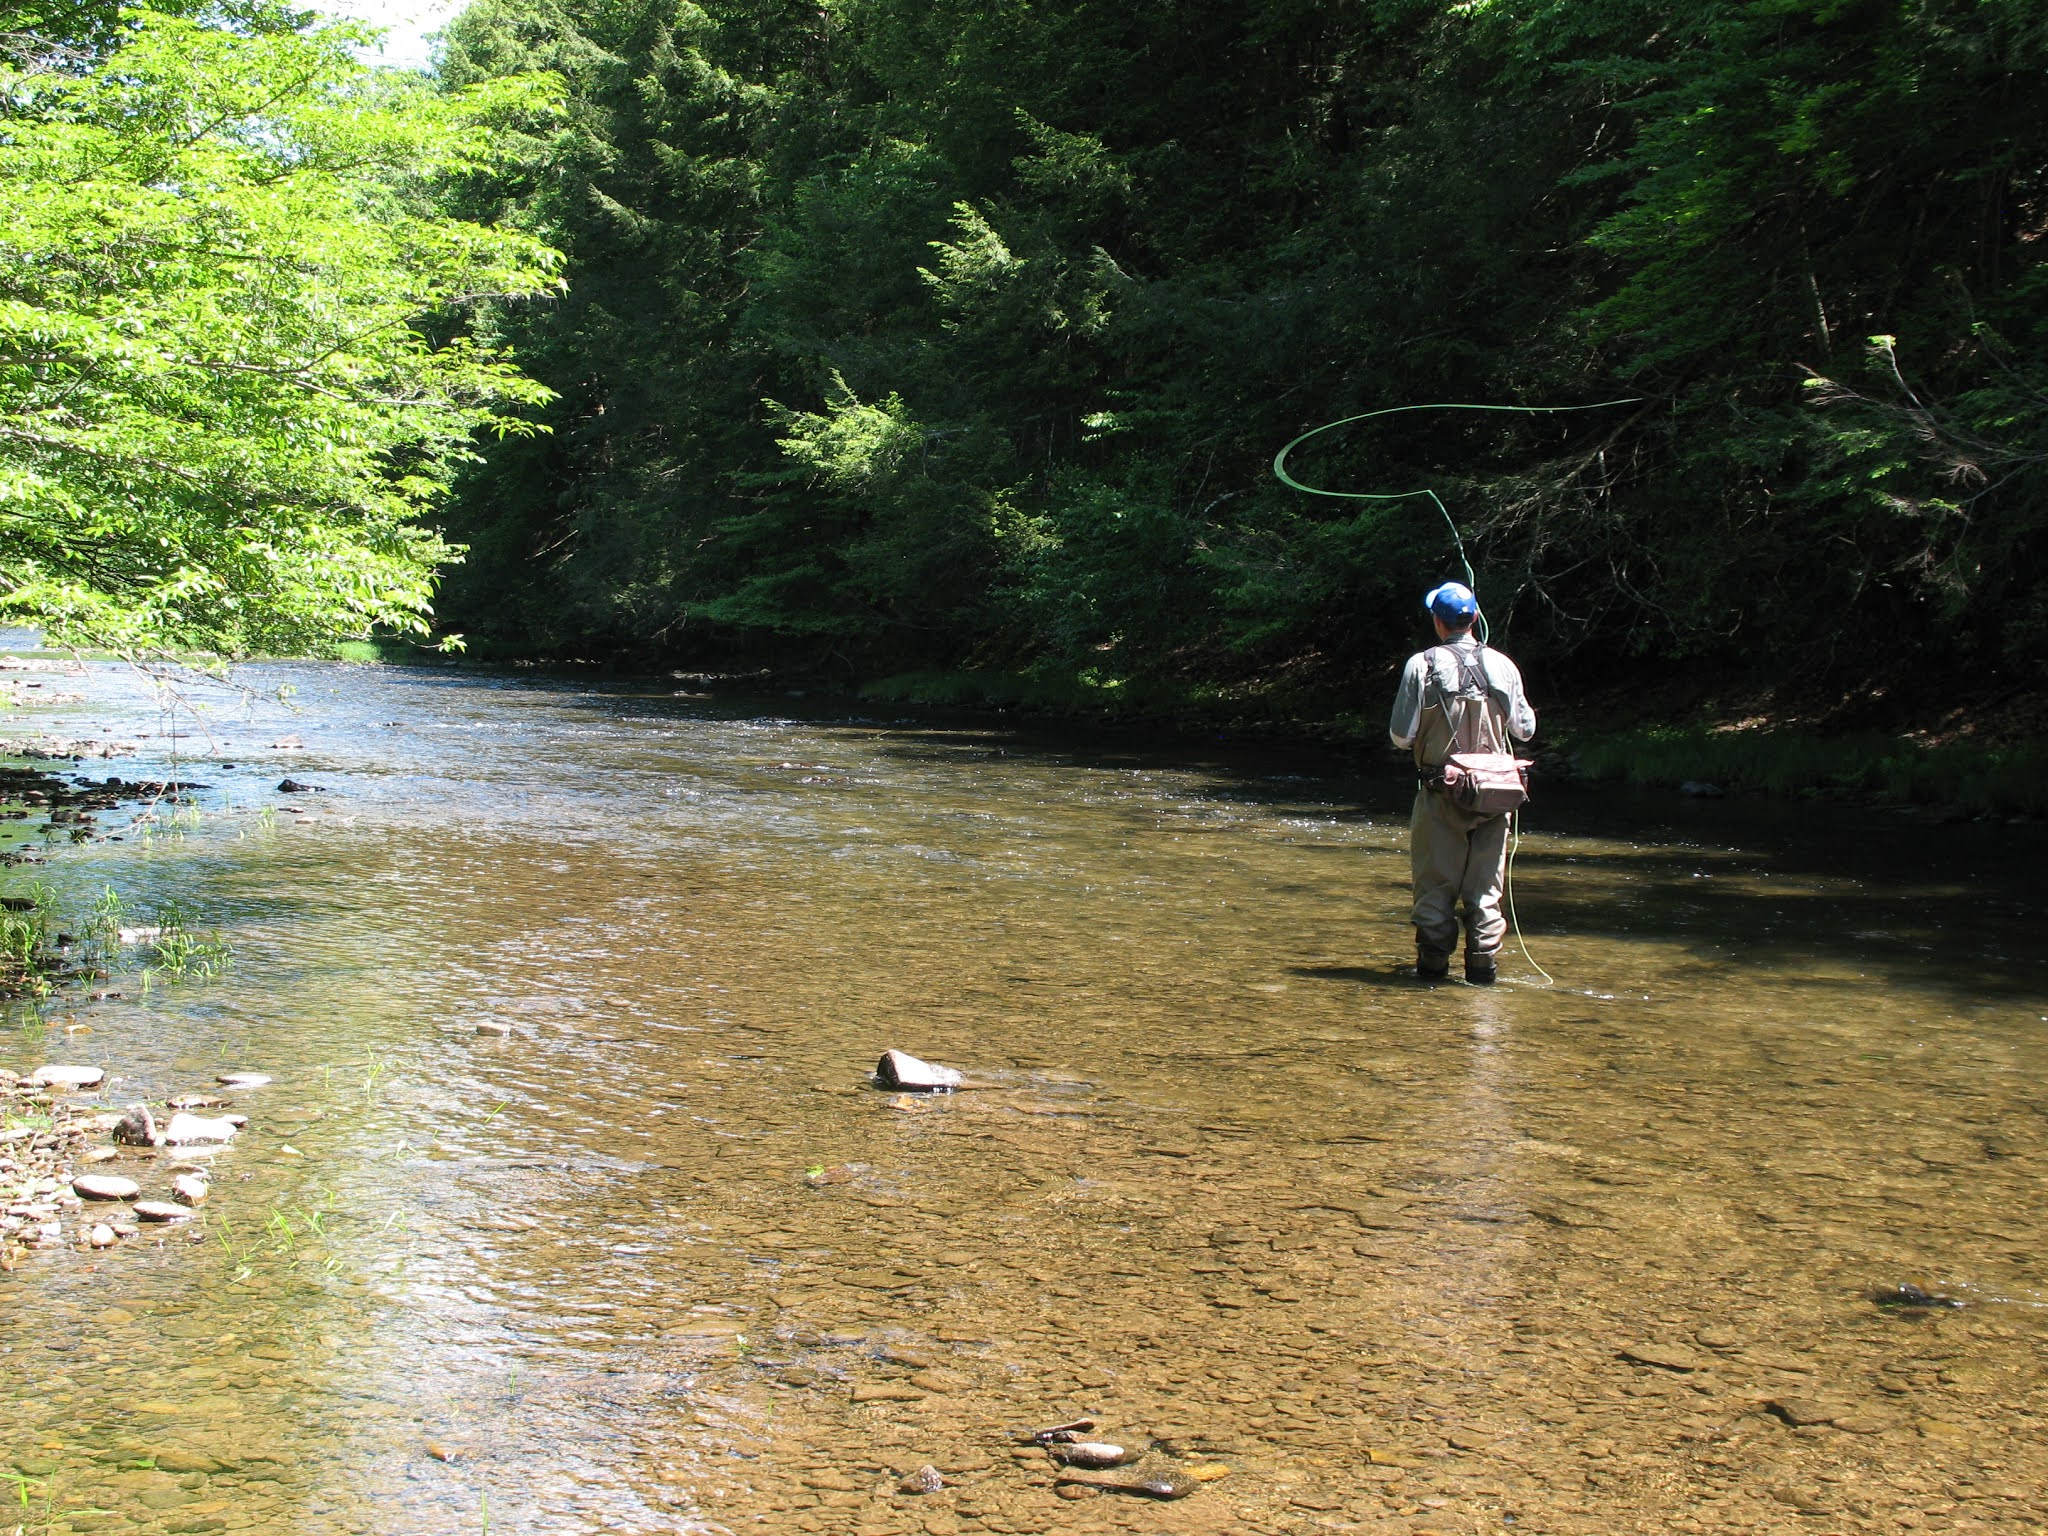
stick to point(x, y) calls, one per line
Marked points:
point(1458, 696)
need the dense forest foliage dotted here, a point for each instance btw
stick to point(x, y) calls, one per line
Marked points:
point(921, 333)
point(234, 359)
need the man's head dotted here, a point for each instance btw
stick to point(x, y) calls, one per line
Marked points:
point(1453, 607)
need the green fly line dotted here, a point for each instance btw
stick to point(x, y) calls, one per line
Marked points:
point(1472, 581)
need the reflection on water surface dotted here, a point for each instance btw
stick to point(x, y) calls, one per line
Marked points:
point(1233, 1181)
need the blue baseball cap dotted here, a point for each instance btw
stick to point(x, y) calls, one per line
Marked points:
point(1454, 603)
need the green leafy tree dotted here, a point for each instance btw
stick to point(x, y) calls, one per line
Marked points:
point(236, 362)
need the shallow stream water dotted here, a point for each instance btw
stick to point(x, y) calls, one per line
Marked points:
point(660, 1260)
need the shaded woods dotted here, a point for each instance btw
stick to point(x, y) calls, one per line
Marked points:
point(909, 336)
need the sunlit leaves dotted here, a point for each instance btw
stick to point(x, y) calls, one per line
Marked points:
point(234, 360)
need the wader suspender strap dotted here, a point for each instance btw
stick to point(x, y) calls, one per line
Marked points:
point(1472, 680)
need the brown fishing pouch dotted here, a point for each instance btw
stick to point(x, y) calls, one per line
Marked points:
point(1484, 783)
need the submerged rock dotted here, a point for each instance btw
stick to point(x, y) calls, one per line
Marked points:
point(1092, 1453)
point(925, 1479)
point(1911, 1296)
point(906, 1073)
point(1666, 1356)
point(67, 1077)
point(1174, 1484)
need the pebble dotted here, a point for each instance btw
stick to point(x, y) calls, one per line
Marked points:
point(190, 1189)
point(925, 1479)
point(188, 1128)
point(67, 1077)
point(161, 1210)
point(102, 1236)
point(105, 1186)
point(493, 1027)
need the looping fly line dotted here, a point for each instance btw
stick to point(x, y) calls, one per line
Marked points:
point(1280, 461)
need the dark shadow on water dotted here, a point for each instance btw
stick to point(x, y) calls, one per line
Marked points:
point(1403, 980)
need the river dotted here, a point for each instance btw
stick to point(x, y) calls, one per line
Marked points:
point(659, 1259)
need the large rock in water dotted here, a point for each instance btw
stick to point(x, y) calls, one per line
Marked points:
point(185, 1129)
point(900, 1070)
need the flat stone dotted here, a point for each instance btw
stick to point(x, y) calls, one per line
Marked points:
point(1862, 1424)
point(161, 1210)
point(67, 1077)
point(169, 1459)
point(105, 1186)
point(186, 1128)
point(1719, 1338)
point(906, 1073)
point(243, 1080)
point(1802, 1411)
point(1777, 1360)
point(886, 1392)
point(1666, 1356)
point(493, 1027)
point(190, 1189)
point(878, 1280)
point(831, 1480)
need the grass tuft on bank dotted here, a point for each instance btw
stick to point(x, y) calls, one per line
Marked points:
point(2009, 780)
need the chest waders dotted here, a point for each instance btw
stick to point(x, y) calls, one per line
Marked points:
point(1458, 854)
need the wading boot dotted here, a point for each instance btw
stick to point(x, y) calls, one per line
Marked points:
point(1431, 964)
point(1480, 969)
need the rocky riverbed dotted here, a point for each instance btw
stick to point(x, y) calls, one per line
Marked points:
point(79, 1172)
point(575, 1204)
